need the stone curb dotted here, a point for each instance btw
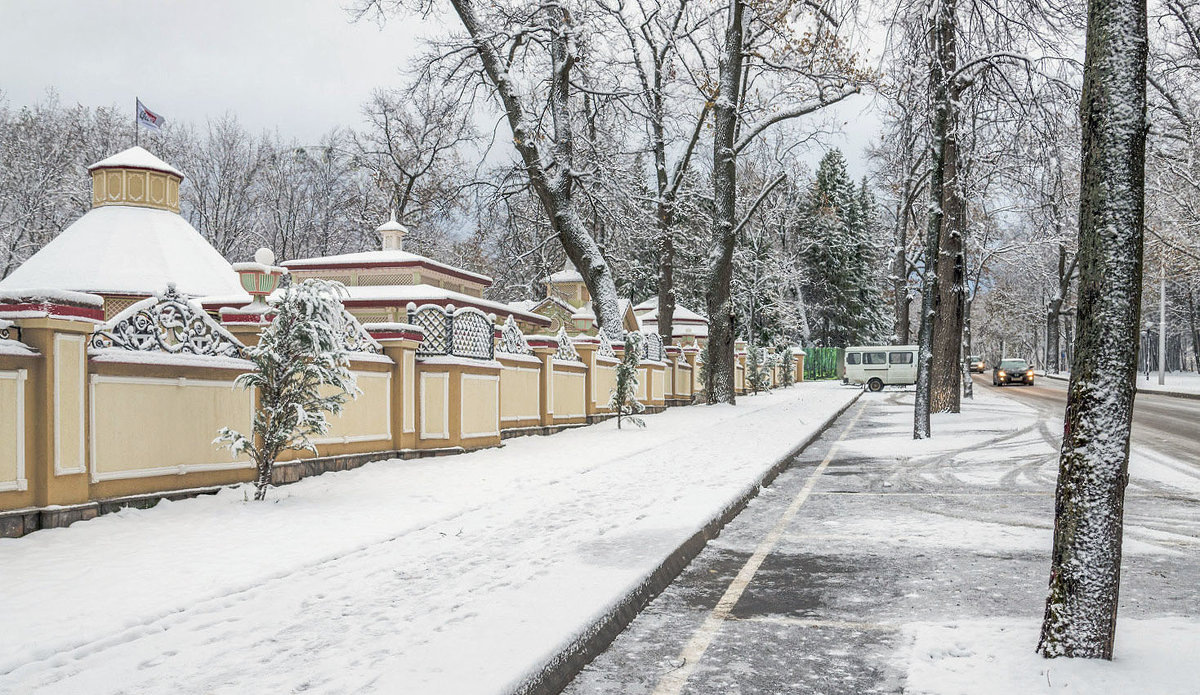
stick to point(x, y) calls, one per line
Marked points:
point(1151, 392)
point(556, 674)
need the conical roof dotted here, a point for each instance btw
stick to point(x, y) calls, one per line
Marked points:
point(123, 249)
point(120, 247)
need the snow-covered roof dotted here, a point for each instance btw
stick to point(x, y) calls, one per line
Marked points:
point(121, 249)
point(136, 158)
point(376, 259)
point(682, 313)
point(571, 275)
point(401, 295)
point(524, 304)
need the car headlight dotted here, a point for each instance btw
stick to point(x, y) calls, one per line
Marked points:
point(1029, 373)
point(1002, 374)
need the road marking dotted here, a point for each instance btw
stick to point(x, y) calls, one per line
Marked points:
point(808, 622)
point(672, 683)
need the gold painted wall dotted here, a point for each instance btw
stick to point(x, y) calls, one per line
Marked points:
point(409, 384)
point(568, 394)
point(70, 366)
point(434, 405)
point(658, 381)
point(140, 187)
point(13, 476)
point(480, 406)
point(603, 383)
point(367, 418)
point(520, 398)
point(175, 421)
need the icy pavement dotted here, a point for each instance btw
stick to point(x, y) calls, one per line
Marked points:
point(877, 564)
point(453, 575)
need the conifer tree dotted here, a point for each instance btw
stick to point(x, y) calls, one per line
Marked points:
point(758, 371)
point(787, 366)
point(298, 357)
point(623, 400)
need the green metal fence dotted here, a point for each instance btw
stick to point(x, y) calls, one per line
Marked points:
point(822, 363)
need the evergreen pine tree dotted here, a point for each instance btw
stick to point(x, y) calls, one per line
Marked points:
point(758, 371)
point(298, 357)
point(623, 400)
point(787, 366)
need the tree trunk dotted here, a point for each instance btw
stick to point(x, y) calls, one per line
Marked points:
point(1081, 609)
point(941, 67)
point(951, 268)
point(719, 377)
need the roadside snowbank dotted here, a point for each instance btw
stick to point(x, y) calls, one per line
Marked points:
point(462, 574)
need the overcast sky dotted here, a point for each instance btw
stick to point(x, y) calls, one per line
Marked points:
point(298, 66)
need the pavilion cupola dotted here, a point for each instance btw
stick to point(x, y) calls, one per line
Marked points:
point(135, 177)
point(392, 233)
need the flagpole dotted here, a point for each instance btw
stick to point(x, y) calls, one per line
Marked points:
point(135, 123)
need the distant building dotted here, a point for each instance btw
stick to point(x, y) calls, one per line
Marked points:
point(381, 284)
point(131, 244)
point(569, 304)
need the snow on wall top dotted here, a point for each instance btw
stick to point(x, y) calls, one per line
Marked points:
point(389, 257)
point(682, 313)
point(120, 249)
point(136, 158)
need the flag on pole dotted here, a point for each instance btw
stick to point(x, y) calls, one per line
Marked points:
point(148, 118)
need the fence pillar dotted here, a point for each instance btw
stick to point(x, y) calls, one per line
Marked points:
point(56, 427)
point(544, 347)
point(400, 341)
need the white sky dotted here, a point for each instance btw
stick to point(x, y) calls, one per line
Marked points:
point(298, 66)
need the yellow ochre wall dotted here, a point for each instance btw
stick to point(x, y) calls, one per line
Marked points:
point(569, 393)
point(13, 476)
point(141, 187)
point(145, 427)
point(520, 392)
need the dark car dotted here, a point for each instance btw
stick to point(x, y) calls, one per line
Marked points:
point(975, 363)
point(1012, 372)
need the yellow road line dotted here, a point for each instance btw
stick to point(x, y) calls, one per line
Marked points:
point(672, 683)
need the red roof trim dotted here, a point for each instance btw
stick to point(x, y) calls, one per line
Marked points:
point(51, 309)
point(432, 265)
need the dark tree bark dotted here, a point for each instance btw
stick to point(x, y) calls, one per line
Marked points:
point(719, 376)
point(1081, 609)
point(550, 176)
point(942, 149)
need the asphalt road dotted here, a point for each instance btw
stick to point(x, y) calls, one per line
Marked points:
point(1168, 425)
point(822, 584)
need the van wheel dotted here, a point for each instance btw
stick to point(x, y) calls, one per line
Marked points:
point(875, 385)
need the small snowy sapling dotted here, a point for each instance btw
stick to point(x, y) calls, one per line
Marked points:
point(624, 395)
point(758, 371)
point(302, 372)
point(787, 366)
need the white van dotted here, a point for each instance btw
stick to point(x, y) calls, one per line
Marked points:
point(879, 366)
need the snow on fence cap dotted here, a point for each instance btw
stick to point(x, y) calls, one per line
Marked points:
point(384, 330)
point(59, 303)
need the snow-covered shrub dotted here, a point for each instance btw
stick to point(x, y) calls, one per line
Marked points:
point(624, 395)
point(302, 372)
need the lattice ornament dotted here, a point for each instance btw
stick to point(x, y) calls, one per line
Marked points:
point(512, 340)
point(434, 322)
point(170, 323)
point(566, 348)
point(472, 334)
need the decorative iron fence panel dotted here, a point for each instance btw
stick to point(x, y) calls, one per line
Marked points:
point(472, 334)
point(168, 323)
point(434, 322)
point(822, 363)
point(512, 340)
point(653, 346)
point(467, 332)
point(566, 348)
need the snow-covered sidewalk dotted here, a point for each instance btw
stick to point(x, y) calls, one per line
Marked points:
point(455, 575)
